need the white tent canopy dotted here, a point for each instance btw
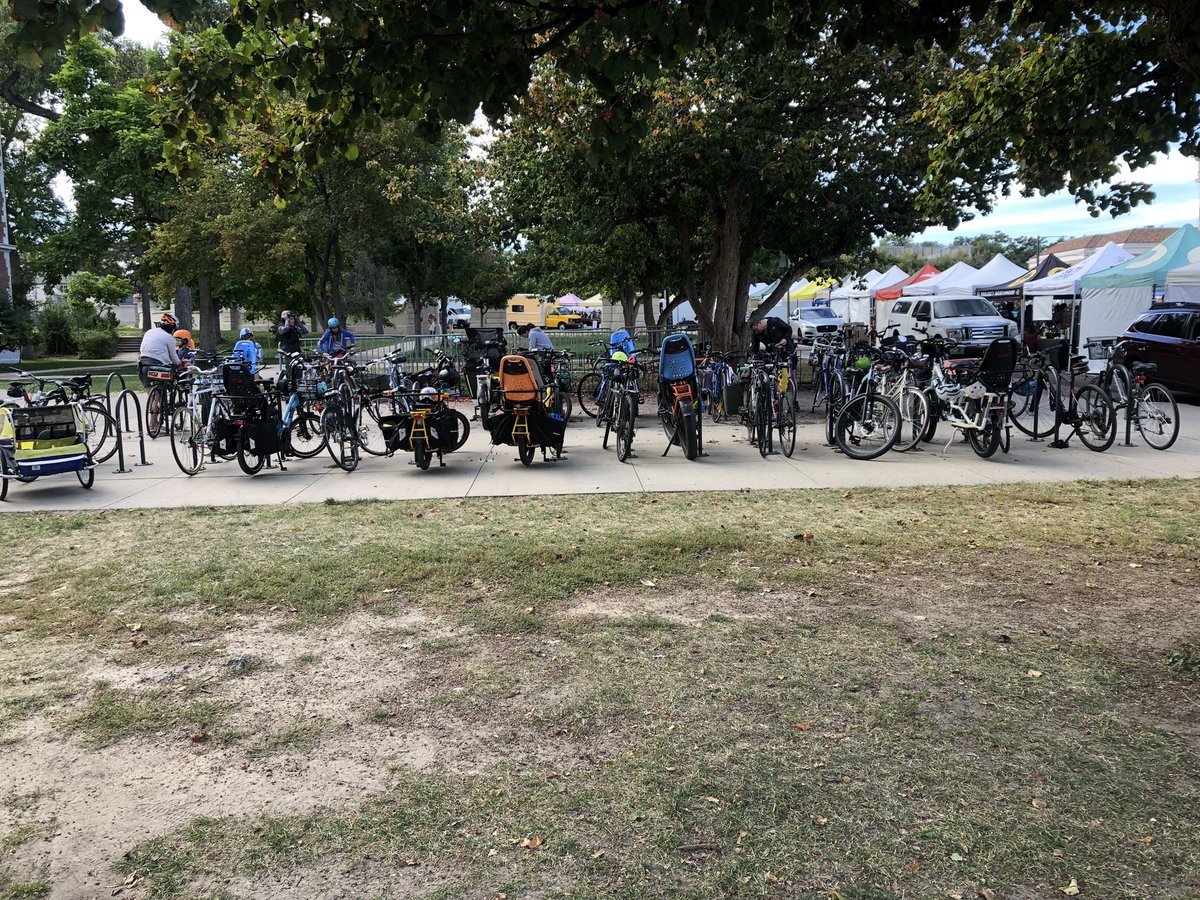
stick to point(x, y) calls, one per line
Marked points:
point(1184, 283)
point(997, 271)
point(856, 286)
point(960, 278)
point(1066, 282)
point(892, 276)
point(852, 301)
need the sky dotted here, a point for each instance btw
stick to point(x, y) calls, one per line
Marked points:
point(1177, 193)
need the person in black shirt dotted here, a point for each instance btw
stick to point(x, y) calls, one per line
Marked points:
point(771, 332)
point(289, 333)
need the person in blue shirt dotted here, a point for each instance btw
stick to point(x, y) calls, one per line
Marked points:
point(249, 350)
point(336, 339)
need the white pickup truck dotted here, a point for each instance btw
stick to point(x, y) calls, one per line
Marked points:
point(961, 317)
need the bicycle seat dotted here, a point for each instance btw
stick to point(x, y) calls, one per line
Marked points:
point(1143, 368)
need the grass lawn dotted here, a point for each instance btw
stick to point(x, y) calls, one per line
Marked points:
point(960, 692)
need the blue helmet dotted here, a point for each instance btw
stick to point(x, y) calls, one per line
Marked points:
point(333, 322)
point(246, 332)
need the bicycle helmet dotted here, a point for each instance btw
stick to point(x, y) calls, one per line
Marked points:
point(184, 335)
point(620, 356)
point(863, 363)
point(428, 392)
point(168, 321)
point(976, 390)
point(246, 332)
point(333, 322)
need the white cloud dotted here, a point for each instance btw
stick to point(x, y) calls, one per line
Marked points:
point(1177, 200)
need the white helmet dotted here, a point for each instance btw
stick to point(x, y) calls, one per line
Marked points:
point(975, 391)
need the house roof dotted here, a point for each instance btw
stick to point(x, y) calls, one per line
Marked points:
point(1128, 236)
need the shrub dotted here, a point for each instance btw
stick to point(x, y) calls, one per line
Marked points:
point(97, 343)
point(54, 332)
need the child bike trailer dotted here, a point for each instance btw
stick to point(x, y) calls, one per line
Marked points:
point(43, 440)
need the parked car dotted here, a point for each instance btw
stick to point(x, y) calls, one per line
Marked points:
point(958, 317)
point(810, 321)
point(458, 316)
point(1169, 336)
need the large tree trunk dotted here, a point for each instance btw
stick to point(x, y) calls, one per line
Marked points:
point(648, 314)
point(418, 323)
point(312, 274)
point(144, 292)
point(235, 318)
point(379, 317)
point(210, 323)
point(183, 306)
point(629, 306)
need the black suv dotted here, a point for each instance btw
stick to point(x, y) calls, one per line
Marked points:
point(1168, 335)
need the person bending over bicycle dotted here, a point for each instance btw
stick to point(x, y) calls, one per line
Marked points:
point(158, 348)
point(336, 340)
point(772, 333)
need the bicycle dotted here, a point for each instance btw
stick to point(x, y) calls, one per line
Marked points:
point(166, 393)
point(867, 423)
point(972, 393)
point(1150, 404)
point(1087, 410)
point(624, 398)
point(679, 407)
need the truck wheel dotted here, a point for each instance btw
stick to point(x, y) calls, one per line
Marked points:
point(562, 326)
point(512, 326)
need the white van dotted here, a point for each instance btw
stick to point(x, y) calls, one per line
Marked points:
point(956, 317)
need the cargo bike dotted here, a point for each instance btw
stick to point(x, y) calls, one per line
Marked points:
point(36, 441)
point(521, 419)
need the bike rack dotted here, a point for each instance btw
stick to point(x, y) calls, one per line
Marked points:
point(122, 405)
point(1128, 411)
point(108, 396)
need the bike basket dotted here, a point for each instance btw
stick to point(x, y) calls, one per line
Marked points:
point(1101, 347)
point(310, 388)
point(374, 382)
point(160, 373)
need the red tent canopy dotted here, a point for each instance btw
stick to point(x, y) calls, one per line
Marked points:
point(894, 291)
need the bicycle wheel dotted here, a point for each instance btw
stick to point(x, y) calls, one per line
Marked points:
point(187, 441)
point(368, 430)
point(867, 426)
point(750, 415)
point(87, 476)
point(339, 438)
point(935, 416)
point(669, 426)
point(1097, 420)
point(833, 404)
point(985, 441)
point(763, 424)
point(464, 429)
point(100, 427)
point(588, 394)
point(626, 415)
point(568, 406)
point(421, 454)
point(688, 429)
point(914, 419)
point(787, 428)
point(155, 402)
point(304, 437)
point(485, 399)
point(608, 419)
point(525, 451)
point(1038, 399)
point(249, 460)
point(1157, 416)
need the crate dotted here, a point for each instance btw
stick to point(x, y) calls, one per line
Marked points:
point(1101, 347)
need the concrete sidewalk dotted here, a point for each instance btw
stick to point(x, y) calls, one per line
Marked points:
point(480, 470)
